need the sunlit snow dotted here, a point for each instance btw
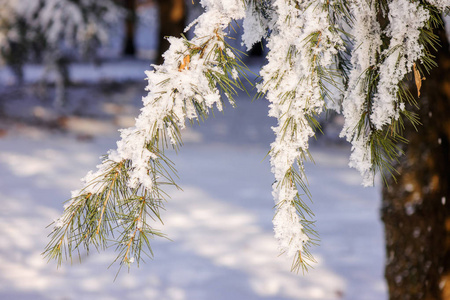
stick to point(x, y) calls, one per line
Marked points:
point(223, 246)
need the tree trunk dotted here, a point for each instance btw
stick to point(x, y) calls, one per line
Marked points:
point(130, 28)
point(416, 209)
point(172, 20)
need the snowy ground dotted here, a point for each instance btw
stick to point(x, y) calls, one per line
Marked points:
point(223, 247)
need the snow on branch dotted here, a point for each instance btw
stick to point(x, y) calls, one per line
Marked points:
point(303, 48)
point(406, 19)
point(125, 193)
point(366, 49)
point(350, 55)
point(376, 98)
point(440, 4)
point(256, 22)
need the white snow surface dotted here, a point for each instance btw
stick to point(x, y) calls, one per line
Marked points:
point(107, 71)
point(223, 246)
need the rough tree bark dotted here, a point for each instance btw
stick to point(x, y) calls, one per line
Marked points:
point(172, 20)
point(416, 209)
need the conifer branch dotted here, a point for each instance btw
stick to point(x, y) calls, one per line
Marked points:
point(127, 189)
point(314, 63)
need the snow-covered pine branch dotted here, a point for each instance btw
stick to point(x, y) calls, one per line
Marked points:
point(353, 56)
point(303, 46)
point(406, 19)
point(375, 100)
point(186, 86)
point(367, 44)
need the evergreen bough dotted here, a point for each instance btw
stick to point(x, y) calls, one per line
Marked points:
point(355, 57)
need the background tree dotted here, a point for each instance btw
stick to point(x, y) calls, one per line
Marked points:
point(54, 31)
point(129, 47)
point(351, 56)
point(172, 21)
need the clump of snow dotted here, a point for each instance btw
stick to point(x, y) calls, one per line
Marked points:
point(441, 4)
point(255, 26)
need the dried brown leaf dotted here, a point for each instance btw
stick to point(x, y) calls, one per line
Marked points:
point(185, 63)
point(418, 79)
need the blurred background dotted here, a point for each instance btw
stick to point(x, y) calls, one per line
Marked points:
point(72, 74)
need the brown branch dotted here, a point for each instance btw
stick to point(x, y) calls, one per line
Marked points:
point(106, 201)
